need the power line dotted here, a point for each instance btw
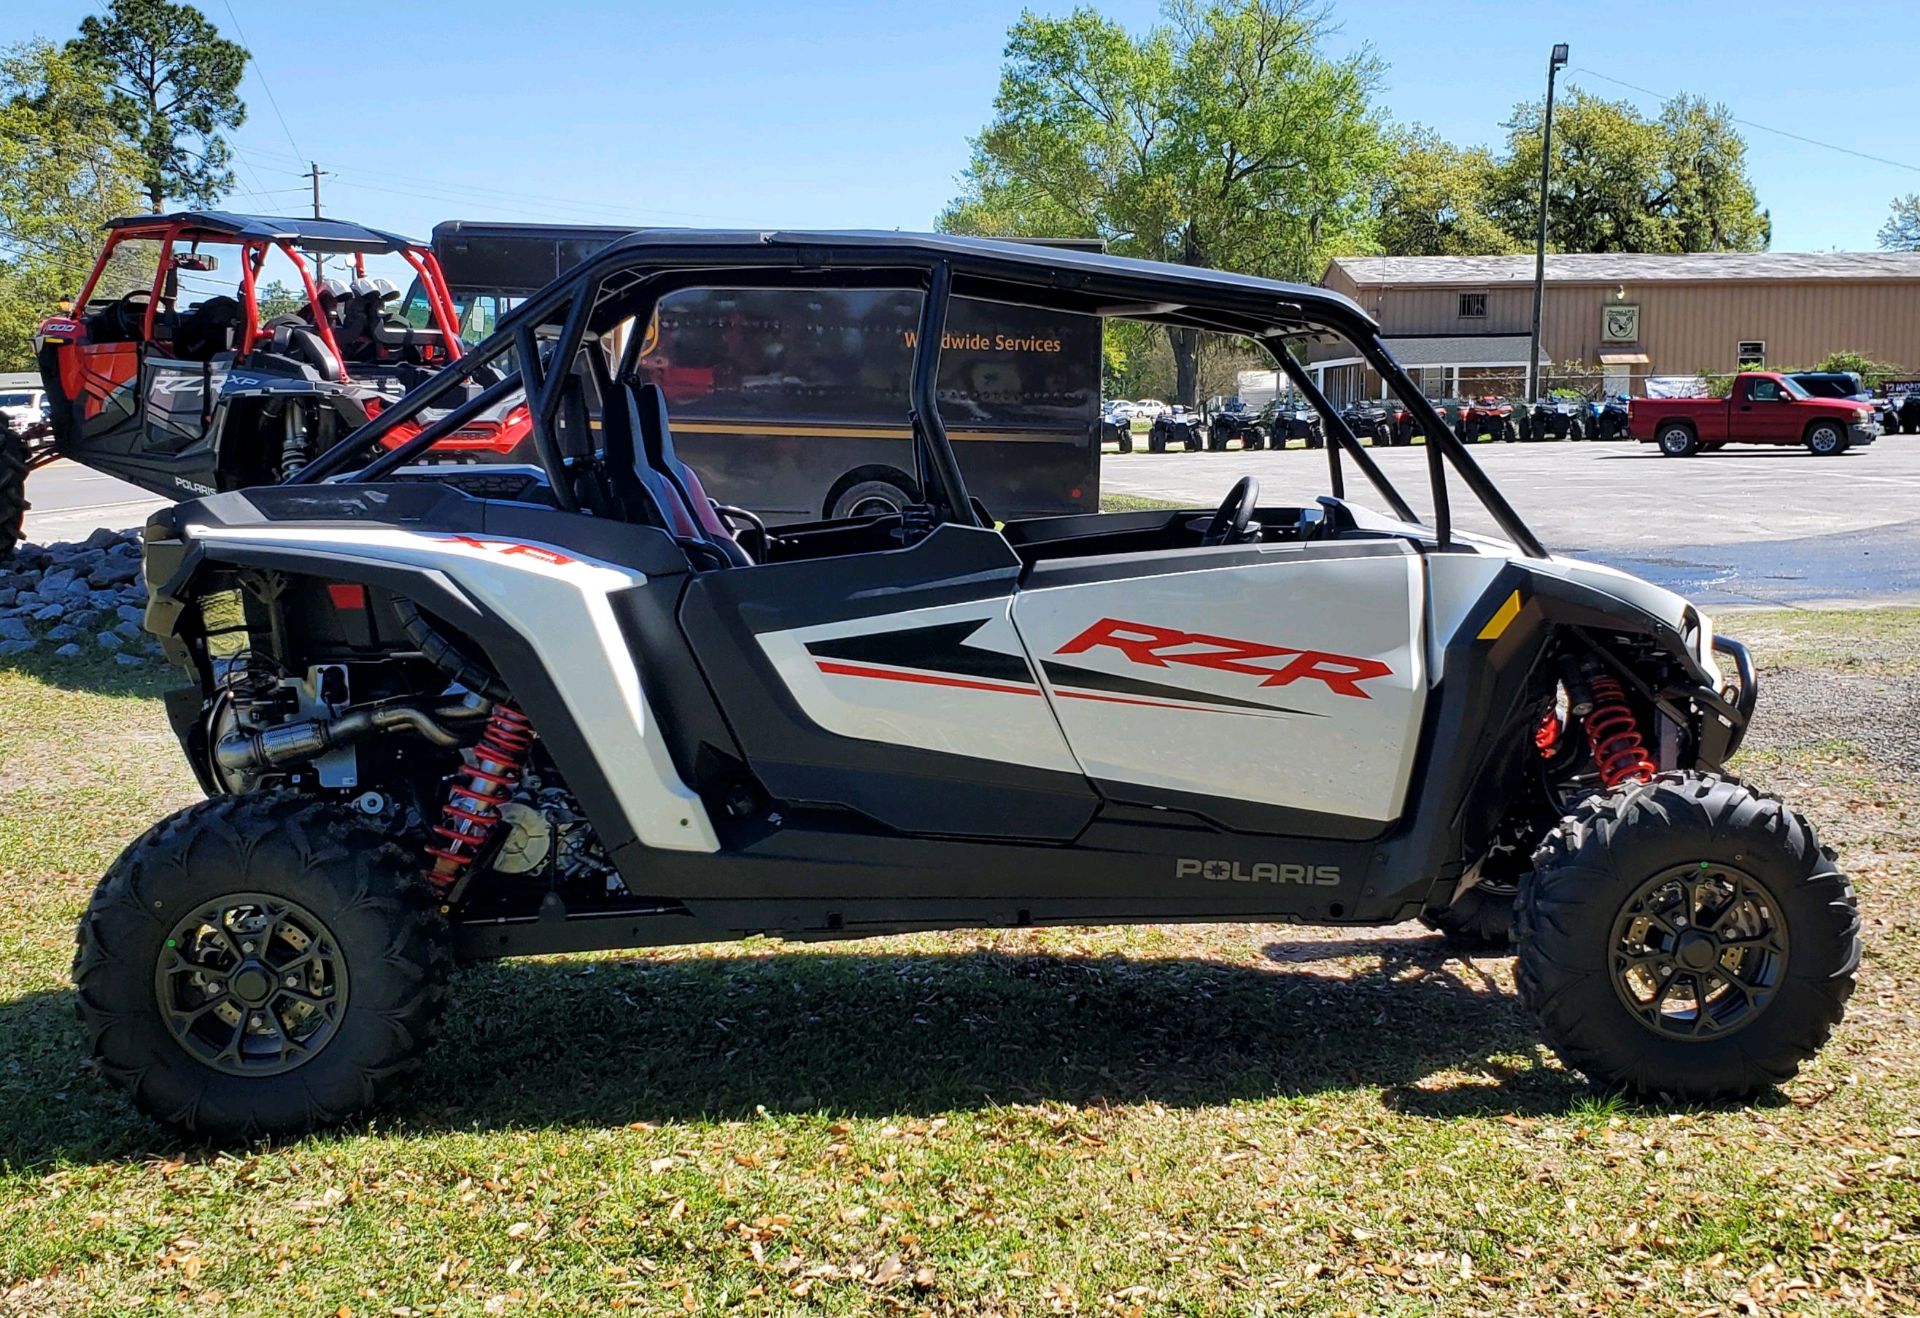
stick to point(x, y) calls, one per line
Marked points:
point(1765, 128)
point(265, 86)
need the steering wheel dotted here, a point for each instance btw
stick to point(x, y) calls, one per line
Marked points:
point(1230, 523)
point(130, 314)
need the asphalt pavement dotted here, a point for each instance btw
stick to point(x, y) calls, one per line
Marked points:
point(1744, 526)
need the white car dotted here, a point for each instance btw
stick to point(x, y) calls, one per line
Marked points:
point(1149, 408)
point(24, 407)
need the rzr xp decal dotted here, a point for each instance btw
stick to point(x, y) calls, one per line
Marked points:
point(1159, 646)
point(939, 655)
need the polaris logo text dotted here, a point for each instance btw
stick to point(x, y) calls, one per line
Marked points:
point(1259, 871)
point(1156, 647)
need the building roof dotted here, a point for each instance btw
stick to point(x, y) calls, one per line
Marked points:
point(1630, 268)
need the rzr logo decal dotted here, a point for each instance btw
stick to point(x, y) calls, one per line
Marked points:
point(1158, 647)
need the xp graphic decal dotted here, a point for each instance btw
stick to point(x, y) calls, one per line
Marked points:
point(938, 655)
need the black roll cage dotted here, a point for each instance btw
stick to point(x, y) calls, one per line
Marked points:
point(628, 278)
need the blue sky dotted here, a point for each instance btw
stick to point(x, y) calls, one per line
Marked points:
point(742, 112)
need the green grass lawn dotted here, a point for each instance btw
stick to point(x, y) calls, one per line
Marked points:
point(1234, 1119)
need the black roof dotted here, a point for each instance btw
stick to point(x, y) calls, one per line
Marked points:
point(311, 234)
point(997, 270)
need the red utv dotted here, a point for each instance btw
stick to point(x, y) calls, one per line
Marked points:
point(167, 375)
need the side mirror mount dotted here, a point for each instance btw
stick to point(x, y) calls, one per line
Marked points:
point(198, 261)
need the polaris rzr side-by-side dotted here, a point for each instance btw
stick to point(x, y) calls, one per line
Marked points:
point(170, 375)
point(438, 727)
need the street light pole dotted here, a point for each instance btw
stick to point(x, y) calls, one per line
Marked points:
point(1554, 63)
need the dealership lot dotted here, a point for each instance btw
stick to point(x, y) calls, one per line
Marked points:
point(1746, 526)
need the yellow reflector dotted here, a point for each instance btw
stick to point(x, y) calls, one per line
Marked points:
point(1498, 623)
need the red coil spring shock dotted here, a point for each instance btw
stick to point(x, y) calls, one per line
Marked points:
point(1614, 734)
point(475, 794)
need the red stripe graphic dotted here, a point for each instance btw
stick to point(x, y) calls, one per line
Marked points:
point(972, 684)
point(925, 679)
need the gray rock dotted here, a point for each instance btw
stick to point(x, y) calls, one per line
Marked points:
point(103, 599)
point(129, 660)
point(133, 631)
point(28, 599)
point(62, 631)
point(103, 537)
point(13, 629)
point(8, 595)
point(56, 582)
point(109, 641)
point(83, 617)
point(51, 613)
point(68, 651)
point(74, 588)
point(15, 647)
point(130, 612)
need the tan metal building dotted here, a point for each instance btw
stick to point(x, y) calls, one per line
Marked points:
point(1460, 324)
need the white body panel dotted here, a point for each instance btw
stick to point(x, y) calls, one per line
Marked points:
point(926, 705)
point(558, 602)
point(1290, 737)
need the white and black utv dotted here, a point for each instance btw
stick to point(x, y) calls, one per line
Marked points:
point(436, 727)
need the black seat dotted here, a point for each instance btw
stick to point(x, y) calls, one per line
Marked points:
point(298, 341)
point(639, 492)
point(208, 329)
point(656, 438)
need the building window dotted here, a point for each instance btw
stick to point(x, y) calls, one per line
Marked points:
point(1473, 306)
point(1750, 355)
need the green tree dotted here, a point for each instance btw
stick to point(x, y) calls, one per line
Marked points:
point(276, 299)
point(1224, 137)
point(175, 84)
point(65, 169)
point(1625, 183)
point(1435, 200)
point(1901, 232)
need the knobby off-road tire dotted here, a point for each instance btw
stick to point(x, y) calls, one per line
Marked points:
point(1767, 970)
point(13, 488)
point(352, 923)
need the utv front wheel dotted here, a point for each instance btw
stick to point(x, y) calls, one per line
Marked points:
point(260, 964)
point(13, 487)
point(1686, 937)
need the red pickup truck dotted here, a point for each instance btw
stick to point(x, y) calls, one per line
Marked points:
point(1762, 407)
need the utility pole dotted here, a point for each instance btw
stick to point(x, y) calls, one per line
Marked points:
point(319, 261)
point(1554, 63)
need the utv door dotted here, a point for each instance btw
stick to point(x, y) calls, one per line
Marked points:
point(1273, 688)
point(890, 684)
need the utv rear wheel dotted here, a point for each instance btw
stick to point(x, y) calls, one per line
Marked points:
point(260, 964)
point(1686, 937)
point(1676, 440)
point(13, 488)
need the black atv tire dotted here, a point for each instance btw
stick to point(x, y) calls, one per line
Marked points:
point(1156, 442)
point(1125, 441)
point(13, 488)
point(1602, 872)
point(387, 980)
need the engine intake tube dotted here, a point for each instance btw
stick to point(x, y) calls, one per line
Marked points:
point(256, 751)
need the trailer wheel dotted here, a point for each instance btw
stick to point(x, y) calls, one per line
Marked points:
point(13, 487)
point(1686, 936)
point(261, 964)
point(1825, 439)
point(1676, 440)
point(869, 492)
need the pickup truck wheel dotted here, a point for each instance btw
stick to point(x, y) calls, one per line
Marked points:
point(1676, 440)
point(1825, 439)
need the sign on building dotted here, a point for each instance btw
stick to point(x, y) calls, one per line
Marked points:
point(1620, 322)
